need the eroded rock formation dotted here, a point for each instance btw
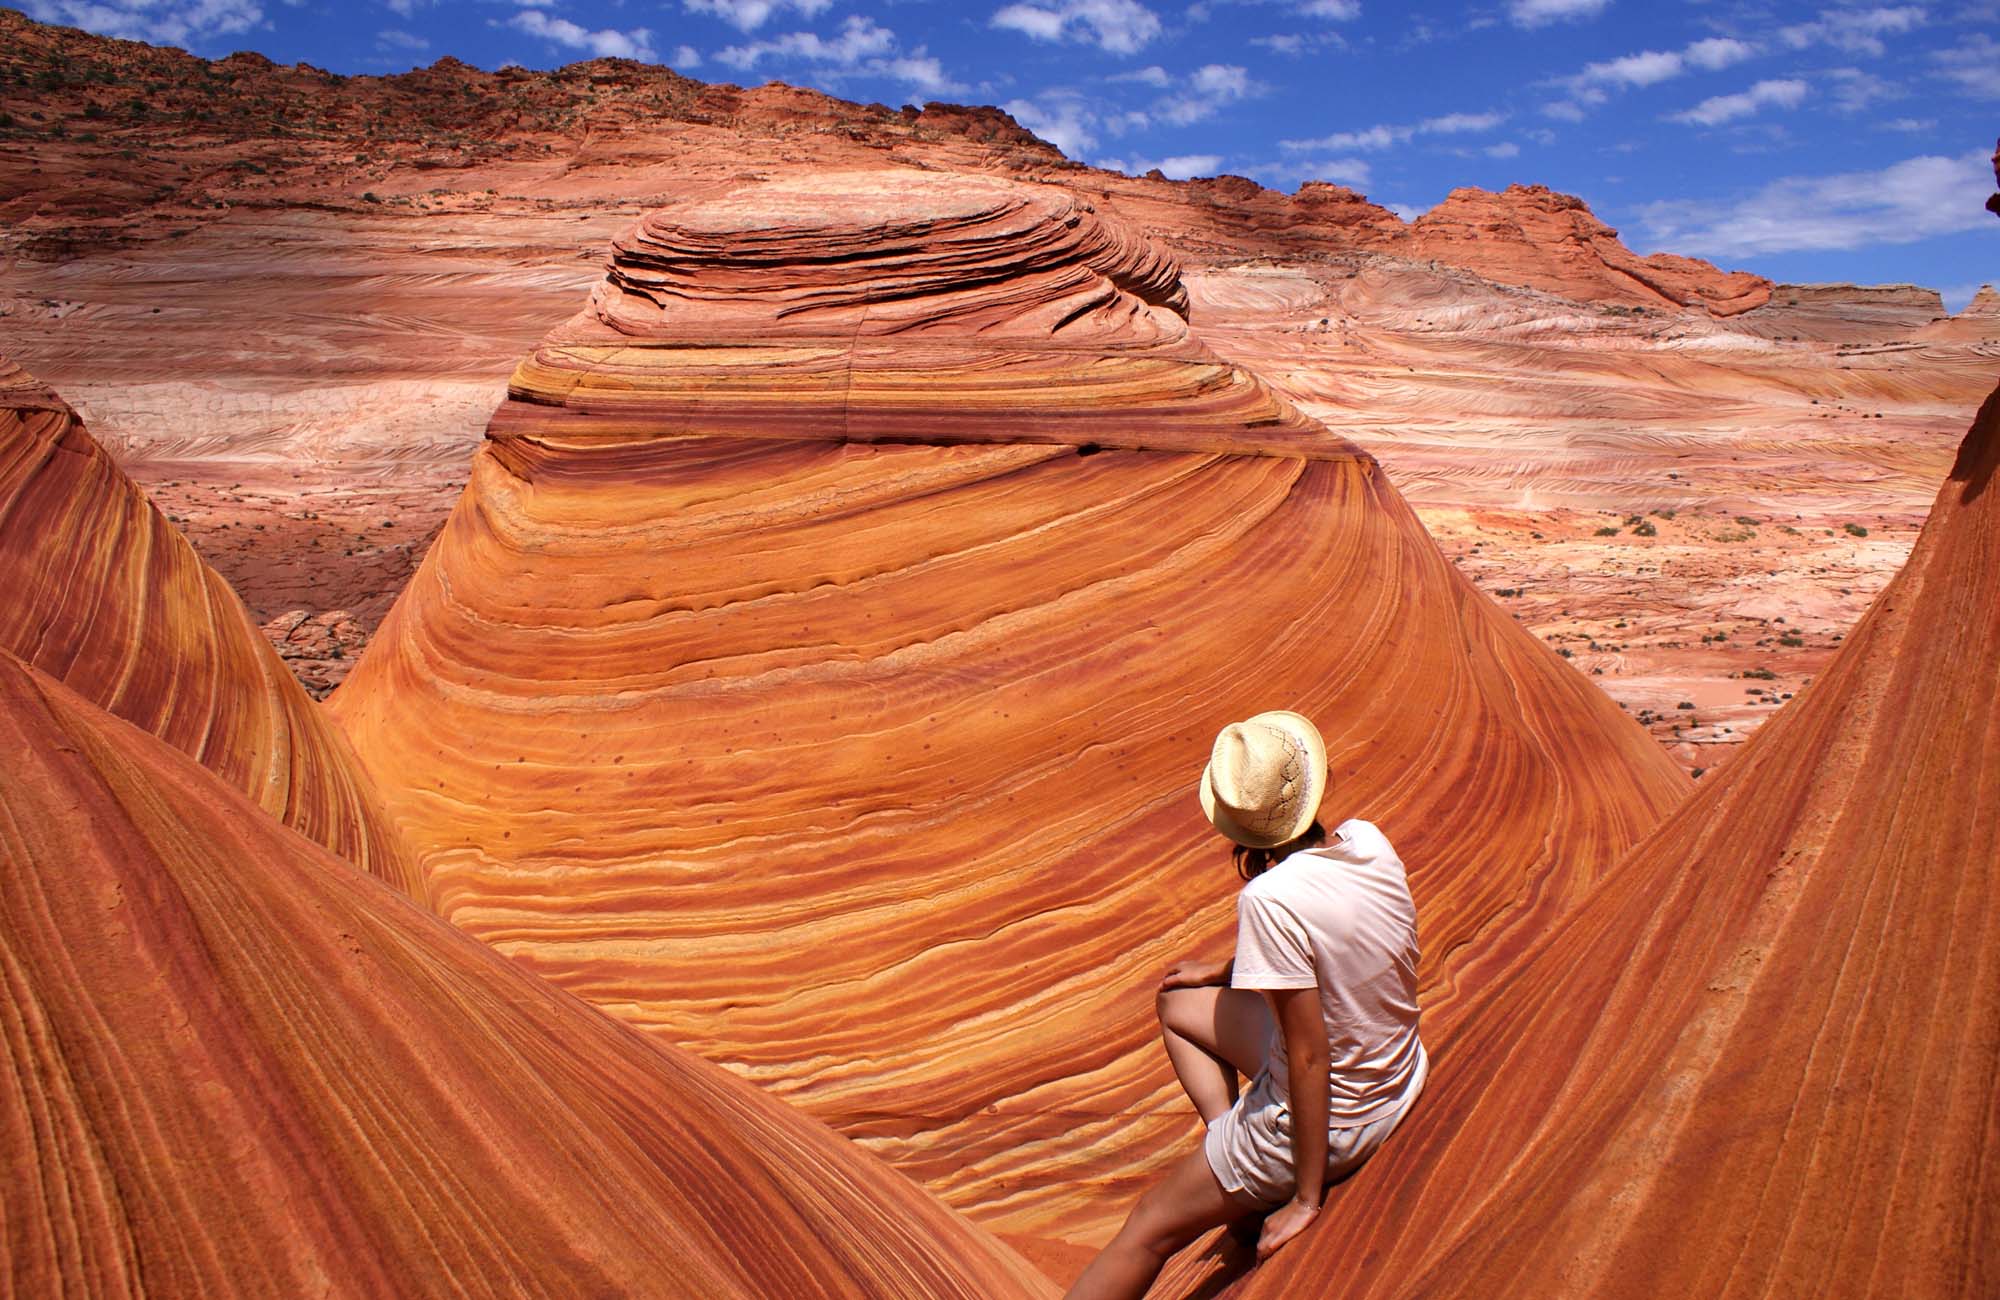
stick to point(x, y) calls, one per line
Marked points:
point(103, 593)
point(1531, 235)
point(817, 668)
point(237, 1067)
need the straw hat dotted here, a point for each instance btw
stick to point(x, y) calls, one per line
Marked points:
point(1265, 778)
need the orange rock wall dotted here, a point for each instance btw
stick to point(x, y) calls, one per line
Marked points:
point(1761, 1058)
point(104, 594)
point(817, 669)
point(238, 1068)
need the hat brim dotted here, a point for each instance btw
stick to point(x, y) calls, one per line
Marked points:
point(1300, 729)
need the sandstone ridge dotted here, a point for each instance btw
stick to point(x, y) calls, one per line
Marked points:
point(103, 593)
point(817, 666)
point(252, 1070)
point(245, 132)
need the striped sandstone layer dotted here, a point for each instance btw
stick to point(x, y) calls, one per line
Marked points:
point(103, 593)
point(237, 1067)
point(817, 667)
point(1761, 1059)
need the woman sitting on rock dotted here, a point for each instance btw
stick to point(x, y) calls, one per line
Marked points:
point(1318, 1009)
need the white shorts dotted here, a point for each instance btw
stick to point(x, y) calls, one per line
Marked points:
point(1250, 1148)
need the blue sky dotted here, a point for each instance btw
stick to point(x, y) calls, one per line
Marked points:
point(1841, 141)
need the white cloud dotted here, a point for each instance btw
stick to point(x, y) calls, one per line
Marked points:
point(1505, 149)
point(920, 71)
point(1383, 137)
point(686, 56)
point(1854, 90)
point(1540, 13)
point(1180, 167)
point(606, 43)
point(862, 47)
point(1858, 31)
point(1645, 69)
point(1593, 86)
point(1063, 119)
point(1787, 93)
point(1212, 86)
point(1116, 26)
point(860, 38)
point(1717, 52)
point(1911, 124)
point(399, 40)
point(749, 15)
point(1910, 200)
point(160, 22)
point(1974, 65)
point(1340, 11)
point(1456, 123)
point(1155, 76)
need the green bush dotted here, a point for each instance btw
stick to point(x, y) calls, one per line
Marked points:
point(1644, 528)
point(1856, 529)
point(1608, 532)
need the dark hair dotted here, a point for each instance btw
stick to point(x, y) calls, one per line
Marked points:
point(1252, 863)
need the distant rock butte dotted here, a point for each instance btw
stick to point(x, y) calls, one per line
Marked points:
point(244, 130)
point(1846, 313)
point(103, 593)
point(1761, 1057)
point(1530, 235)
point(238, 1067)
point(817, 667)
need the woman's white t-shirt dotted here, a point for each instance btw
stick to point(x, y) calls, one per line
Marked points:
point(1340, 917)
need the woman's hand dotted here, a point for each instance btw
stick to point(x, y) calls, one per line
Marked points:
point(1289, 1221)
point(1195, 974)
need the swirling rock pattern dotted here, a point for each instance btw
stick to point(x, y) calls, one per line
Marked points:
point(817, 668)
point(1762, 1058)
point(237, 1067)
point(104, 594)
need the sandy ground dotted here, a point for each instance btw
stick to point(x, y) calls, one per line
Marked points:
point(1693, 513)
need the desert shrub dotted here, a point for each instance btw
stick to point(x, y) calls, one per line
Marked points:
point(1747, 521)
point(1761, 674)
point(1608, 532)
point(1685, 704)
point(1644, 528)
point(1791, 639)
point(1855, 529)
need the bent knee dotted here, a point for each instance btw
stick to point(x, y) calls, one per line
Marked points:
point(1156, 1230)
point(1180, 1009)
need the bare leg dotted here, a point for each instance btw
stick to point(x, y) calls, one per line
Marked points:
point(1187, 1203)
point(1213, 1035)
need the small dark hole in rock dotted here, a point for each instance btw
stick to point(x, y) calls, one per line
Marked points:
point(1088, 449)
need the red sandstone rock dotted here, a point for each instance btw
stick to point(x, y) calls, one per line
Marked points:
point(105, 595)
point(237, 1067)
point(1530, 235)
point(817, 667)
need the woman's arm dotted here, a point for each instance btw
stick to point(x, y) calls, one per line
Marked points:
point(1306, 1064)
